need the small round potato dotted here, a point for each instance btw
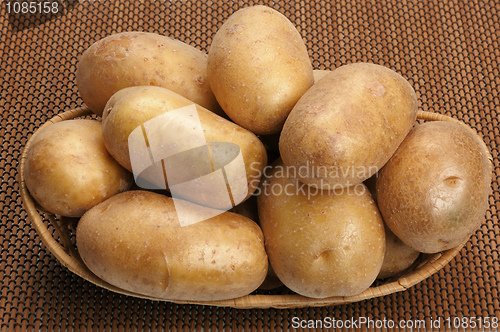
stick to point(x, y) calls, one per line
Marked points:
point(258, 68)
point(433, 193)
point(134, 241)
point(347, 125)
point(320, 244)
point(140, 58)
point(68, 169)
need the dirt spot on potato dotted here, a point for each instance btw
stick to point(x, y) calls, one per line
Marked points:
point(200, 79)
point(315, 109)
point(376, 88)
point(235, 28)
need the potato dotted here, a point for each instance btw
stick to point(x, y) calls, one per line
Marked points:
point(320, 243)
point(433, 193)
point(133, 107)
point(134, 241)
point(258, 68)
point(68, 169)
point(140, 58)
point(398, 256)
point(346, 127)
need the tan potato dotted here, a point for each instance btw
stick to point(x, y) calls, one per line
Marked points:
point(141, 58)
point(131, 108)
point(398, 256)
point(134, 241)
point(346, 127)
point(433, 193)
point(68, 169)
point(320, 244)
point(258, 68)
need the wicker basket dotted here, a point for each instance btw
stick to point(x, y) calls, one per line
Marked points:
point(57, 233)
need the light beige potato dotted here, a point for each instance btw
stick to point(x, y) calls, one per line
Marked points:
point(140, 58)
point(258, 68)
point(133, 107)
point(320, 244)
point(134, 241)
point(346, 127)
point(68, 169)
point(433, 193)
point(398, 256)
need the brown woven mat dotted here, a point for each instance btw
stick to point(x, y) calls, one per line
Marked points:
point(448, 50)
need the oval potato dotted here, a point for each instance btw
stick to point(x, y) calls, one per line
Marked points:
point(140, 58)
point(131, 108)
point(258, 68)
point(320, 244)
point(134, 241)
point(68, 169)
point(433, 193)
point(346, 127)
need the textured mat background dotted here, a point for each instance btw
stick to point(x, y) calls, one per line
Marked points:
point(448, 50)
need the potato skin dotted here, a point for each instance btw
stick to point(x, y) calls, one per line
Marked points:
point(346, 127)
point(141, 58)
point(131, 107)
point(68, 169)
point(433, 193)
point(320, 244)
point(134, 241)
point(258, 68)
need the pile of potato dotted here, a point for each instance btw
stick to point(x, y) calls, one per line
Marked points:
point(354, 192)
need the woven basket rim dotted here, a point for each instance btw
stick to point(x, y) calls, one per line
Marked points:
point(67, 255)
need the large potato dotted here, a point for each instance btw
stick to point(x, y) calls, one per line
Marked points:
point(134, 241)
point(140, 58)
point(133, 107)
point(346, 127)
point(320, 244)
point(258, 67)
point(433, 193)
point(68, 169)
